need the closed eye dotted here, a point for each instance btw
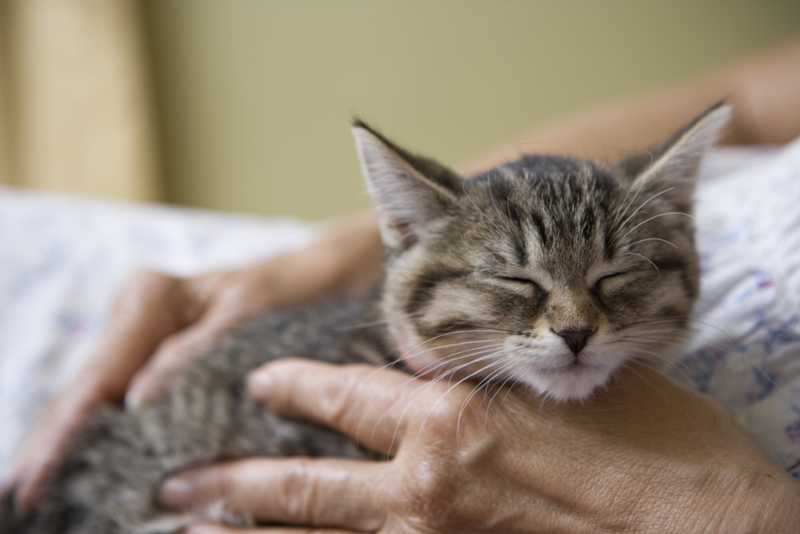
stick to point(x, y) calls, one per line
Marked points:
point(518, 284)
point(518, 280)
point(613, 282)
point(606, 277)
point(521, 285)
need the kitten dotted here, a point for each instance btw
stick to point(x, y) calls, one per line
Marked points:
point(550, 272)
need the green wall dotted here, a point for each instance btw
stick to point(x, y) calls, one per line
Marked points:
point(255, 97)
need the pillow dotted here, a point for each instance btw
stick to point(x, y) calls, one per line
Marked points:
point(745, 351)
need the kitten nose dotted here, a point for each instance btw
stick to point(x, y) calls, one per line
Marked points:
point(575, 339)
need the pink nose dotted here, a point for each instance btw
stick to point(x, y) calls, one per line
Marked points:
point(575, 339)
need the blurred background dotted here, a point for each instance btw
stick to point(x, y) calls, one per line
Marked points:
point(244, 105)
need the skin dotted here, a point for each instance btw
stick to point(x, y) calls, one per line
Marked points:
point(159, 323)
point(646, 455)
point(762, 90)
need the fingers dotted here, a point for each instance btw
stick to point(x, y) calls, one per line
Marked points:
point(44, 447)
point(150, 308)
point(373, 406)
point(220, 301)
point(324, 492)
point(218, 529)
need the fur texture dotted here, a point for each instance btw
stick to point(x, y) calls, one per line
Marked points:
point(547, 272)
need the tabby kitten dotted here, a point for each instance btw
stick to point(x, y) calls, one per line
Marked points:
point(549, 272)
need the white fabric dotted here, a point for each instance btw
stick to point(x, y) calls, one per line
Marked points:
point(62, 259)
point(746, 351)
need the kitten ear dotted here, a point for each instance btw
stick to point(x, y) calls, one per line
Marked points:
point(670, 168)
point(406, 201)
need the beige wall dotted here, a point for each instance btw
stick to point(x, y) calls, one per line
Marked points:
point(255, 96)
point(75, 101)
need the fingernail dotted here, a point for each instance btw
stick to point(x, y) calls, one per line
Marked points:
point(261, 384)
point(134, 396)
point(176, 493)
point(132, 402)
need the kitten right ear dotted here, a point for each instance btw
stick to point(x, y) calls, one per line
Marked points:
point(405, 200)
point(670, 167)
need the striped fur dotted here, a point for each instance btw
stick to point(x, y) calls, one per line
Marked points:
point(539, 257)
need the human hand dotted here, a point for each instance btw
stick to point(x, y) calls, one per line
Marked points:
point(346, 260)
point(646, 455)
point(159, 322)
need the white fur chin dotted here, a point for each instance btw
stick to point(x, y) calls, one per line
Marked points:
point(568, 385)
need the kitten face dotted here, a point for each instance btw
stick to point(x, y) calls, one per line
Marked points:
point(543, 276)
point(549, 271)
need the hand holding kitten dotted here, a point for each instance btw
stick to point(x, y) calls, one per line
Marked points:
point(461, 466)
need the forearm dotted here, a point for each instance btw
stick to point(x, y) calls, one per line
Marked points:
point(345, 259)
point(763, 90)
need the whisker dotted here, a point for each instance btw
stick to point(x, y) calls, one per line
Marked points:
point(638, 190)
point(475, 351)
point(651, 239)
point(643, 379)
point(646, 259)
point(656, 217)
point(451, 388)
point(483, 383)
point(642, 206)
point(431, 384)
point(514, 374)
point(443, 363)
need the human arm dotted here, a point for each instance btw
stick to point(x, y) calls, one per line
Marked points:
point(645, 455)
point(762, 89)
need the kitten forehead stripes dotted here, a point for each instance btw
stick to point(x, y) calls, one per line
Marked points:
point(541, 211)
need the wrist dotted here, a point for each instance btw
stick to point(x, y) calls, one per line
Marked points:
point(761, 501)
point(345, 260)
point(769, 504)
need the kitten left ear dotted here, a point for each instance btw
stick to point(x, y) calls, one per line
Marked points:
point(405, 200)
point(671, 167)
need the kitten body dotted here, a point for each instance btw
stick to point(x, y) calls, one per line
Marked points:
point(548, 272)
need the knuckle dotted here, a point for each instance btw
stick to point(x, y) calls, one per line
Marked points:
point(223, 483)
point(297, 488)
point(146, 279)
point(429, 495)
point(172, 351)
point(456, 411)
point(340, 398)
point(443, 416)
point(335, 404)
point(145, 286)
